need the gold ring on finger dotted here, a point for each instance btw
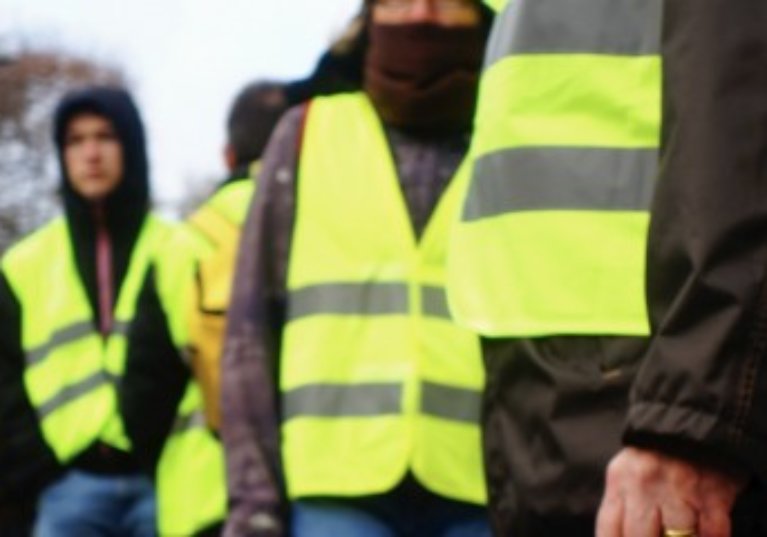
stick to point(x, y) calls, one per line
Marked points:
point(678, 533)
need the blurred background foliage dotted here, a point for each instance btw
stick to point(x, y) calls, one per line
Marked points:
point(31, 83)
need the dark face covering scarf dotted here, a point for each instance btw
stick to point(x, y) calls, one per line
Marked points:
point(423, 77)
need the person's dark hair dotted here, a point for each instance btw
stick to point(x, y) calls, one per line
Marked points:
point(252, 117)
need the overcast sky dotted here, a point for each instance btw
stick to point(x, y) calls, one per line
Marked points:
point(186, 60)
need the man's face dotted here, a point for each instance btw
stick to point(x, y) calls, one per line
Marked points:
point(93, 156)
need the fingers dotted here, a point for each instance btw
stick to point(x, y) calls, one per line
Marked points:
point(641, 516)
point(715, 523)
point(676, 515)
point(647, 492)
point(635, 475)
point(628, 506)
point(680, 498)
point(719, 492)
point(610, 516)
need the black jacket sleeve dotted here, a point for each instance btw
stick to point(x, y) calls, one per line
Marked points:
point(702, 390)
point(154, 380)
point(26, 462)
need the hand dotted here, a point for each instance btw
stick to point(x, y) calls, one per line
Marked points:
point(647, 492)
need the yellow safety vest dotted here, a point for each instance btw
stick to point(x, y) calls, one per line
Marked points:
point(375, 379)
point(71, 370)
point(496, 5)
point(193, 281)
point(190, 478)
point(552, 235)
point(218, 223)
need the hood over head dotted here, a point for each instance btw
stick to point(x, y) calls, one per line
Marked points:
point(116, 105)
point(123, 212)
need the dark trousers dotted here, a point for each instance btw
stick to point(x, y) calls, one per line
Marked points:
point(16, 519)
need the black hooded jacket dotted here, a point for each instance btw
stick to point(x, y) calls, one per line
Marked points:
point(26, 462)
point(125, 208)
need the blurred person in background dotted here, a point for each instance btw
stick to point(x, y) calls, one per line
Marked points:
point(170, 391)
point(694, 461)
point(67, 295)
point(547, 261)
point(350, 401)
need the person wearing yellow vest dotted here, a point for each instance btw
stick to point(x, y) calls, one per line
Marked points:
point(67, 296)
point(546, 261)
point(170, 390)
point(350, 399)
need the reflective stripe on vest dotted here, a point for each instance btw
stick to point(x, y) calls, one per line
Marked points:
point(341, 400)
point(367, 298)
point(376, 379)
point(66, 335)
point(553, 230)
point(71, 371)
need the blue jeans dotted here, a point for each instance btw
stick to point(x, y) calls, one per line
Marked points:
point(88, 505)
point(407, 511)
